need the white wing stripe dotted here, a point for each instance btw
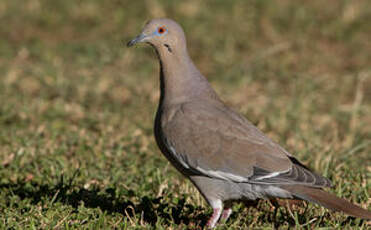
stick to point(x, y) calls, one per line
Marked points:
point(223, 175)
point(270, 175)
point(172, 150)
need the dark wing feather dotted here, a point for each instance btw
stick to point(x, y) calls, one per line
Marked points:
point(296, 175)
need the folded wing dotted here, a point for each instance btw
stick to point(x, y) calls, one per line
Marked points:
point(217, 142)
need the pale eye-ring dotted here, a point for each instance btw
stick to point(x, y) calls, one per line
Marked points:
point(161, 30)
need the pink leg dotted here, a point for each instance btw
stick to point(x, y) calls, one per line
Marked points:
point(214, 217)
point(225, 214)
point(217, 206)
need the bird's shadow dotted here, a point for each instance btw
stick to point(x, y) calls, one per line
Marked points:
point(150, 209)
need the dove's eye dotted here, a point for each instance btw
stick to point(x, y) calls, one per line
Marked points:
point(161, 30)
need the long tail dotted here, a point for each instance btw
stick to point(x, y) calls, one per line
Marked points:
point(327, 200)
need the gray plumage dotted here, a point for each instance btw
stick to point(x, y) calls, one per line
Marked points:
point(224, 155)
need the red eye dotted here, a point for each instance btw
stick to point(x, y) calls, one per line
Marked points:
point(161, 30)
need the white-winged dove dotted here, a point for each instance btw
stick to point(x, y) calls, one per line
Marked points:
point(225, 156)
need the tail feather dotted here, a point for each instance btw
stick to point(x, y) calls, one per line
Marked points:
point(327, 200)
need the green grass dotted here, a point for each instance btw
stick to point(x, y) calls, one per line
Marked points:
point(77, 107)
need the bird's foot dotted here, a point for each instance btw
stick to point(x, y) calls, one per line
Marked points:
point(214, 218)
point(225, 214)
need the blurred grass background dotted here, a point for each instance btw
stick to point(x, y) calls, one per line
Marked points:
point(77, 107)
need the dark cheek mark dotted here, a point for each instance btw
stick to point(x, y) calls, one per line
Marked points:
point(168, 48)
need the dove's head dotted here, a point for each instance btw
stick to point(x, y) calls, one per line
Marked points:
point(163, 34)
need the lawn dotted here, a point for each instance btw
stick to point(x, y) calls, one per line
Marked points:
point(77, 108)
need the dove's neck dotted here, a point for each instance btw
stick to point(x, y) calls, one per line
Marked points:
point(180, 79)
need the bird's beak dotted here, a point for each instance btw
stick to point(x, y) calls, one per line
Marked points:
point(137, 39)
